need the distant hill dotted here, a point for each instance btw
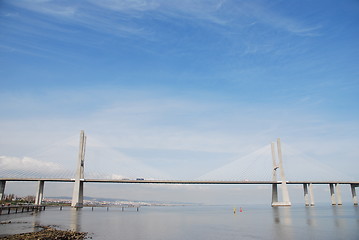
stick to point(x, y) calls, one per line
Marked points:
point(88, 198)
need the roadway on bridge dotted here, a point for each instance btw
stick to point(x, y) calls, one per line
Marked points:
point(146, 181)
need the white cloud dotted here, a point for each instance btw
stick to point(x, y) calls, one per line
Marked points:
point(28, 167)
point(123, 132)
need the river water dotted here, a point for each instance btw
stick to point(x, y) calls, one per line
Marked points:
point(197, 222)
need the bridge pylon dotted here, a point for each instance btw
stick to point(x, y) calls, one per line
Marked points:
point(2, 189)
point(78, 192)
point(285, 194)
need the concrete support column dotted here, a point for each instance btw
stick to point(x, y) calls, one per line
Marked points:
point(339, 194)
point(354, 194)
point(306, 196)
point(332, 193)
point(285, 193)
point(77, 196)
point(2, 189)
point(274, 193)
point(274, 163)
point(274, 177)
point(311, 194)
point(40, 192)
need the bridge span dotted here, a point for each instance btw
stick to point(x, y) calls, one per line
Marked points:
point(156, 181)
point(334, 186)
point(79, 180)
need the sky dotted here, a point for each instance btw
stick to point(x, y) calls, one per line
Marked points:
point(178, 90)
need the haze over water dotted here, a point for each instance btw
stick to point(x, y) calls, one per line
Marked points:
point(198, 222)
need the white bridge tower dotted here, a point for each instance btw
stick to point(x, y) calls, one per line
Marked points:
point(285, 195)
point(78, 193)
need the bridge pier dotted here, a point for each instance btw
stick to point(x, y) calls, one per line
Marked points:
point(78, 195)
point(354, 194)
point(335, 194)
point(308, 196)
point(78, 192)
point(311, 194)
point(274, 177)
point(332, 194)
point(274, 194)
point(40, 192)
point(338, 194)
point(285, 193)
point(2, 189)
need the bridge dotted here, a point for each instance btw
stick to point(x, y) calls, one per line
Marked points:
point(276, 153)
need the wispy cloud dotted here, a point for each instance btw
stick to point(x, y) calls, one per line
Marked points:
point(138, 122)
point(62, 14)
point(96, 17)
point(28, 167)
point(127, 5)
point(92, 24)
point(266, 15)
point(48, 7)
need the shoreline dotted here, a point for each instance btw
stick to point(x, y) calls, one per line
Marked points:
point(47, 232)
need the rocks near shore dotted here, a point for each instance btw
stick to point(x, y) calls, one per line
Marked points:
point(48, 233)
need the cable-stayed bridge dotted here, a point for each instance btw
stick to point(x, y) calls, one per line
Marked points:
point(263, 166)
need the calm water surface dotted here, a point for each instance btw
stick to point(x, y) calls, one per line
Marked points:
point(197, 222)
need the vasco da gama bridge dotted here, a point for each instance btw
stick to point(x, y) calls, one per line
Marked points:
point(277, 166)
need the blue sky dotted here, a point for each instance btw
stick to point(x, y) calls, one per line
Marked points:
point(190, 84)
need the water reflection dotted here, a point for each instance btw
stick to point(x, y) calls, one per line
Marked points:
point(197, 223)
point(283, 219)
point(282, 215)
point(337, 213)
point(356, 210)
point(311, 215)
point(36, 221)
point(276, 215)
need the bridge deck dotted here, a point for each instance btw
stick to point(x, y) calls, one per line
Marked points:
point(170, 181)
